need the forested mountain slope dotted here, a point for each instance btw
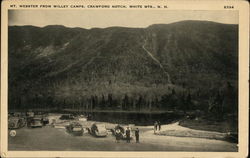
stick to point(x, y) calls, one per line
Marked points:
point(120, 67)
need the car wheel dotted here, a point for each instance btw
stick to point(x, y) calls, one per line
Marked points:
point(18, 125)
point(12, 133)
point(113, 132)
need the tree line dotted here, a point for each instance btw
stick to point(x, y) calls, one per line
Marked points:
point(219, 101)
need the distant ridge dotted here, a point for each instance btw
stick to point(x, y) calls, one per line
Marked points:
point(159, 24)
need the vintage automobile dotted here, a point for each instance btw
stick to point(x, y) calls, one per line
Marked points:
point(16, 122)
point(36, 121)
point(62, 125)
point(75, 128)
point(45, 119)
point(30, 114)
point(232, 137)
point(17, 114)
point(67, 117)
point(82, 118)
point(123, 129)
point(98, 130)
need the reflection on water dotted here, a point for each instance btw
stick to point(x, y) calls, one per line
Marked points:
point(135, 118)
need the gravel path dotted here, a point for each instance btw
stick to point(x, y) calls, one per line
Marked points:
point(53, 139)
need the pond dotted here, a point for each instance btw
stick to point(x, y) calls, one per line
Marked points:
point(121, 117)
point(135, 118)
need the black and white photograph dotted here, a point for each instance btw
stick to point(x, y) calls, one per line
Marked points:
point(123, 80)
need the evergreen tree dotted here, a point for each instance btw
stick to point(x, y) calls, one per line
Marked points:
point(125, 102)
point(103, 102)
point(165, 100)
point(110, 100)
point(230, 99)
point(139, 103)
point(96, 101)
point(188, 101)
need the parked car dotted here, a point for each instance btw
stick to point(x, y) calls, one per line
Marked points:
point(67, 117)
point(45, 119)
point(17, 114)
point(30, 114)
point(61, 123)
point(36, 121)
point(82, 118)
point(16, 122)
point(75, 128)
point(123, 129)
point(98, 130)
point(232, 137)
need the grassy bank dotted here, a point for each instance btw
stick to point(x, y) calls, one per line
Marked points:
point(210, 125)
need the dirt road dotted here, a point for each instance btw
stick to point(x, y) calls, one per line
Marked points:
point(53, 139)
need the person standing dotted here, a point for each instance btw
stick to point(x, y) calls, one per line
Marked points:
point(159, 125)
point(117, 135)
point(155, 126)
point(137, 135)
point(128, 135)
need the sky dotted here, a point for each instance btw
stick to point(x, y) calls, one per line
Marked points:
point(107, 18)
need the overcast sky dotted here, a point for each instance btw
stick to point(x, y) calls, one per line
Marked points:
point(107, 18)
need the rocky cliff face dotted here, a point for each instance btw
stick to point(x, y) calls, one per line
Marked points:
point(74, 62)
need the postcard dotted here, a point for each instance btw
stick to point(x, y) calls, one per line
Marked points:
point(127, 78)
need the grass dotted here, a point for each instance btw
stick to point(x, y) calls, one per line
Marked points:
point(208, 125)
point(194, 134)
point(204, 128)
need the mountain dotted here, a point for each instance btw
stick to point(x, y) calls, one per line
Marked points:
point(71, 64)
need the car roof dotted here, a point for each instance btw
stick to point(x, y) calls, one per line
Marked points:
point(37, 118)
point(14, 118)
